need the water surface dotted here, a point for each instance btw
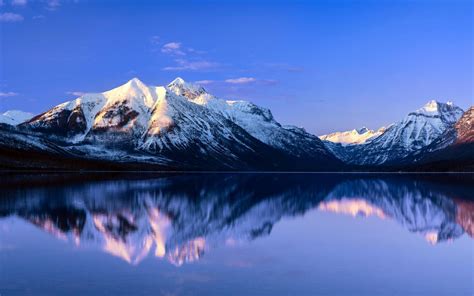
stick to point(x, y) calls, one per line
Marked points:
point(236, 234)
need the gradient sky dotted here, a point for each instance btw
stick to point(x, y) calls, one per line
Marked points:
point(323, 65)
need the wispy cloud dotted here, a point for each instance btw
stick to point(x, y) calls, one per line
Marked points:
point(76, 93)
point(204, 82)
point(8, 94)
point(185, 58)
point(173, 48)
point(53, 4)
point(155, 40)
point(19, 2)
point(1, 3)
point(9, 17)
point(38, 17)
point(241, 80)
point(184, 64)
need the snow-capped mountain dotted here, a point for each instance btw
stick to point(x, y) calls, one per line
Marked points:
point(455, 146)
point(14, 117)
point(257, 121)
point(400, 140)
point(180, 126)
point(462, 132)
point(355, 136)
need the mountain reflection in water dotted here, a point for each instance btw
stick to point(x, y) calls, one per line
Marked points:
point(181, 217)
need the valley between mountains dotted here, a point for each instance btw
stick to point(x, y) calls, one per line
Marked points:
point(182, 127)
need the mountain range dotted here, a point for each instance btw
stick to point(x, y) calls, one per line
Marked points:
point(181, 126)
point(420, 138)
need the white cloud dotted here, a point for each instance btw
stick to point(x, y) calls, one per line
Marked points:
point(38, 17)
point(8, 94)
point(52, 4)
point(173, 48)
point(183, 64)
point(9, 17)
point(155, 40)
point(19, 2)
point(76, 93)
point(241, 80)
point(204, 82)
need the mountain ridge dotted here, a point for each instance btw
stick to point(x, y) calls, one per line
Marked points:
point(170, 125)
point(184, 127)
point(417, 130)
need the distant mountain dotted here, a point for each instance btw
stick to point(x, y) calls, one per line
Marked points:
point(453, 148)
point(355, 136)
point(403, 139)
point(179, 126)
point(462, 132)
point(14, 117)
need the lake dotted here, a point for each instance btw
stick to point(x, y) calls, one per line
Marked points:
point(236, 234)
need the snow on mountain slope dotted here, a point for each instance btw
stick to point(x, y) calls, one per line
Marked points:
point(180, 122)
point(14, 117)
point(465, 127)
point(123, 109)
point(462, 132)
point(416, 131)
point(127, 107)
point(356, 136)
point(257, 121)
point(26, 142)
point(178, 128)
point(455, 146)
point(421, 127)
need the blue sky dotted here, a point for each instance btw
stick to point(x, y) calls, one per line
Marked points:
point(323, 65)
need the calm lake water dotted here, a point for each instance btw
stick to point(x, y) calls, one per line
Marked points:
point(236, 234)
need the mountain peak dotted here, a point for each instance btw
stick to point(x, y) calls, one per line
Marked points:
point(362, 130)
point(434, 106)
point(186, 89)
point(431, 106)
point(177, 81)
point(133, 86)
point(134, 79)
point(135, 82)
